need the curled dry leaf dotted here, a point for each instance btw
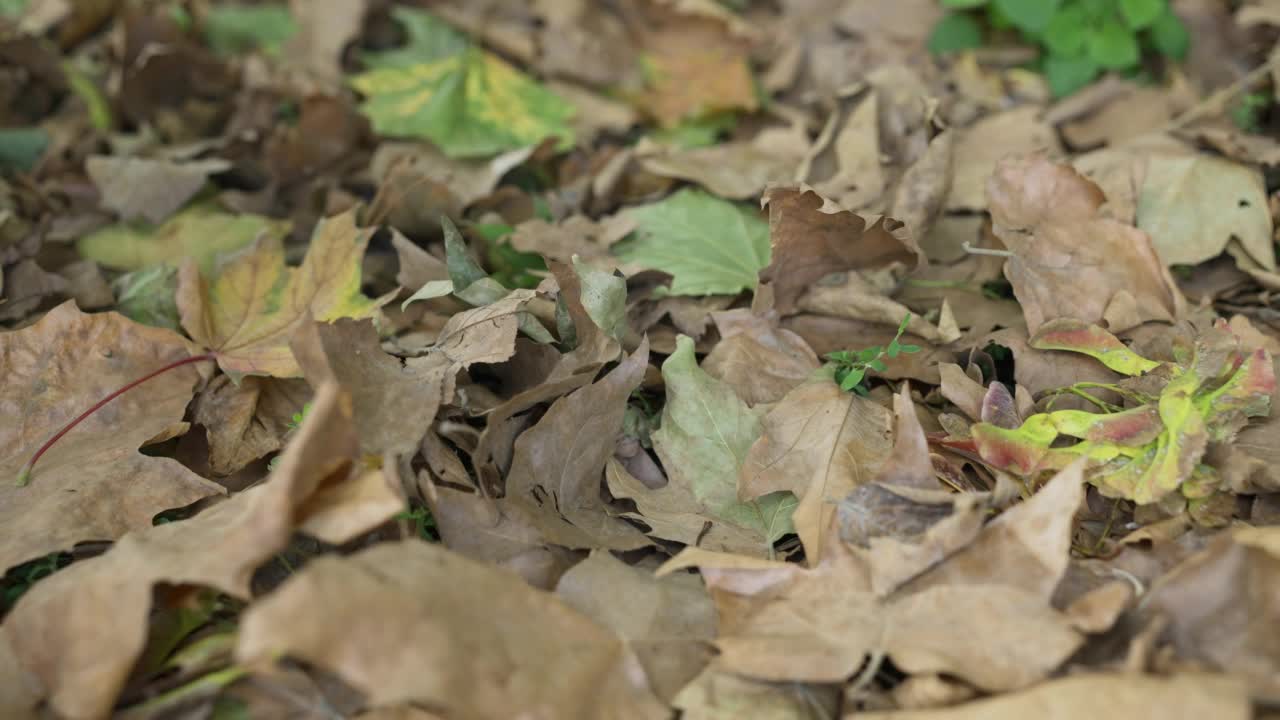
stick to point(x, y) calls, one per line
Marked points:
point(1067, 259)
point(967, 616)
point(812, 237)
point(736, 170)
point(81, 631)
point(410, 621)
point(247, 311)
point(92, 484)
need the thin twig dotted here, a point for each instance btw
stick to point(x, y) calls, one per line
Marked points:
point(985, 251)
point(1215, 101)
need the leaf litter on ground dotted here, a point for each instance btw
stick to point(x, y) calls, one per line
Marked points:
point(726, 359)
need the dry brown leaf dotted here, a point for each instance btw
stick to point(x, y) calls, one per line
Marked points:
point(410, 621)
point(247, 421)
point(81, 631)
point(981, 147)
point(813, 237)
point(780, 622)
point(1068, 261)
point(25, 288)
point(716, 695)
point(1179, 697)
point(1222, 607)
point(577, 235)
point(759, 360)
point(559, 463)
point(738, 170)
point(152, 190)
point(698, 62)
point(92, 484)
point(323, 33)
point(853, 176)
point(819, 442)
point(668, 622)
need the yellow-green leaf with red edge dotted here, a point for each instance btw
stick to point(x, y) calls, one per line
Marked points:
point(246, 310)
point(1077, 336)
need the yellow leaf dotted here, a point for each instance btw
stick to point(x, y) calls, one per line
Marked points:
point(246, 310)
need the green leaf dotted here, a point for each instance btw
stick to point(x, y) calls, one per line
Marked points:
point(21, 148)
point(705, 435)
point(202, 231)
point(463, 270)
point(955, 32)
point(708, 245)
point(231, 29)
point(910, 349)
point(1067, 75)
point(147, 296)
point(698, 132)
point(1068, 32)
point(469, 102)
point(852, 378)
point(13, 8)
point(1114, 46)
point(1140, 14)
point(1169, 36)
point(1029, 16)
point(604, 296)
point(433, 289)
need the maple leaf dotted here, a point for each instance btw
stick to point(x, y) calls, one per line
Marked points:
point(709, 246)
point(247, 310)
point(94, 484)
point(469, 102)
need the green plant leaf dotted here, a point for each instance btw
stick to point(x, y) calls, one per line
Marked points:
point(705, 435)
point(21, 148)
point(1169, 35)
point(1029, 16)
point(1140, 14)
point(147, 296)
point(1068, 32)
point(852, 377)
point(233, 29)
point(955, 32)
point(1067, 75)
point(13, 8)
point(463, 270)
point(433, 289)
point(708, 245)
point(469, 102)
point(1114, 46)
point(201, 232)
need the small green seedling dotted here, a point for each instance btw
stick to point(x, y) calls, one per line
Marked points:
point(1079, 39)
point(851, 367)
point(295, 422)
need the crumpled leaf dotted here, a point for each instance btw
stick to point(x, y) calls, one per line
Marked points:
point(811, 237)
point(818, 443)
point(93, 484)
point(733, 170)
point(709, 246)
point(151, 190)
point(467, 101)
point(200, 233)
point(81, 631)
point(1195, 206)
point(247, 309)
point(704, 440)
point(411, 621)
point(968, 617)
point(1070, 261)
point(247, 421)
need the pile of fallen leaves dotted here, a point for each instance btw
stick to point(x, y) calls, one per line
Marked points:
point(632, 359)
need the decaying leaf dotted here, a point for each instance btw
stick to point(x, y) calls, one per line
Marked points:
point(411, 621)
point(1068, 261)
point(93, 484)
point(812, 237)
point(148, 189)
point(81, 631)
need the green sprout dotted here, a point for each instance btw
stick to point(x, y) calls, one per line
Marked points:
point(851, 367)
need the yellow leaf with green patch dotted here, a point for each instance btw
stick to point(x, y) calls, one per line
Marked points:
point(246, 310)
point(469, 102)
point(201, 232)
